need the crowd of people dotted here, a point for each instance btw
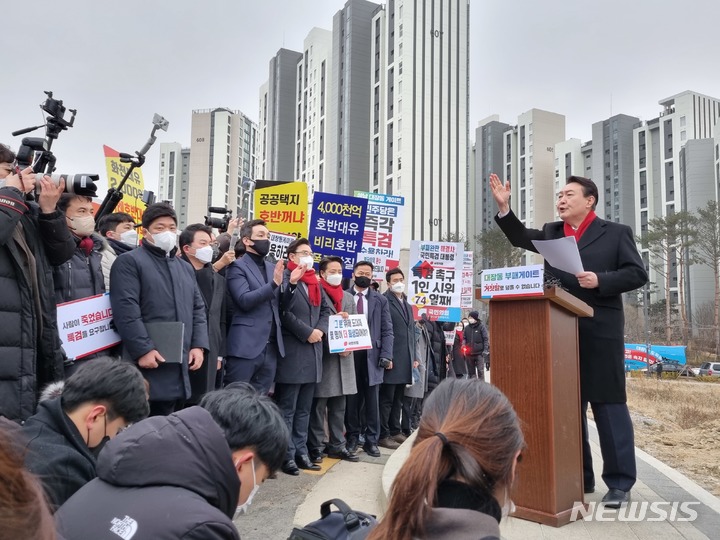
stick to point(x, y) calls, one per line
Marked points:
point(248, 385)
point(249, 329)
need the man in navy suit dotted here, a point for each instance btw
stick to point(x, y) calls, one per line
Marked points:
point(254, 339)
point(370, 365)
point(611, 266)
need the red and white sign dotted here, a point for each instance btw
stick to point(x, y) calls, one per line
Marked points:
point(84, 326)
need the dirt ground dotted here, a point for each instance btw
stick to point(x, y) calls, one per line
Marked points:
point(678, 422)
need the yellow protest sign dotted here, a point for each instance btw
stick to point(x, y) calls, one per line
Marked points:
point(284, 208)
point(131, 202)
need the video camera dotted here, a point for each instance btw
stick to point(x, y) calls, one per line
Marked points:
point(221, 224)
point(35, 151)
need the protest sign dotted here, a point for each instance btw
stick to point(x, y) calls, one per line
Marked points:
point(133, 188)
point(515, 281)
point(284, 208)
point(436, 274)
point(84, 326)
point(278, 245)
point(468, 271)
point(449, 337)
point(351, 334)
point(336, 227)
point(382, 235)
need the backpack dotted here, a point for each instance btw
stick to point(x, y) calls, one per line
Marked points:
point(345, 524)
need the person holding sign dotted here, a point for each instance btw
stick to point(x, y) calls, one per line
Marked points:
point(304, 323)
point(612, 266)
point(338, 373)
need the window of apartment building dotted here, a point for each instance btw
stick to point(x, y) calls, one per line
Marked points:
point(683, 121)
point(683, 135)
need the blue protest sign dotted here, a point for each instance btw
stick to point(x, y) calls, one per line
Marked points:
point(336, 227)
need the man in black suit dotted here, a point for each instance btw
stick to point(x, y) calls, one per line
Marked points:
point(612, 266)
point(370, 365)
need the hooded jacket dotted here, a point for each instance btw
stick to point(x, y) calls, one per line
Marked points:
point(167, 477)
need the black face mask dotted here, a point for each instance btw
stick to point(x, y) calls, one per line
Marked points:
point(362, 281)
point(95, 450)
point(261, 247)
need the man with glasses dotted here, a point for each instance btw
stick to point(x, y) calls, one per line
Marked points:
point(254, 339)
point(304, 323)
point(370, 365)
point(66, 435)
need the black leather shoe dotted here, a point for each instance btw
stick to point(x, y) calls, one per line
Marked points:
point(303, 461)
point(344, 455)
point(371, 450)
point(589, 489)
point(290, 467)
point(615, 498)
point(316, 456)
point(352, 446)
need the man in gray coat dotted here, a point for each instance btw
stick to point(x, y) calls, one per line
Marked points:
point(304, 323)
point(150, 284)
point(338, 374)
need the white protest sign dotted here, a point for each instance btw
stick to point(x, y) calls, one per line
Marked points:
point(467, 281)
point(351, 334)
point(515, 281)
point(449, 337)
point(279, 243)
point(84, 326)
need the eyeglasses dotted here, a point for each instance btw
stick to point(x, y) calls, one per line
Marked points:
point(304, 253)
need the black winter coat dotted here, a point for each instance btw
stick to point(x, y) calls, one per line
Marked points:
point(165, 477)
point(146, 285)
point(30, 357)
point(403, 327)
point(609, 250)
point(82, 275)
point(214, 293)
point(57, 453)
point(476, 338)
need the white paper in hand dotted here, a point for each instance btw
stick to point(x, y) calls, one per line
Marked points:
point(561, 253)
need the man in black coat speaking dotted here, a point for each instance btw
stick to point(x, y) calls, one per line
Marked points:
point(612, 266)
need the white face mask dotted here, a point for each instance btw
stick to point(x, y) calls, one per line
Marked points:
point(204, 254)
point(472, 321)
point(129, 237)
point(82, 226)
point(398, 287)
point(242, 509)
point(165, 240)
point(334, 279)
point(307, 261)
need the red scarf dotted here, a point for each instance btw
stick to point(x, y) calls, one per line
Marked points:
point(311, 280)
point(335, 293)
point(569, 231)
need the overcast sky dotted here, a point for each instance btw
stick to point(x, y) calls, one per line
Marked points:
point(119, 63)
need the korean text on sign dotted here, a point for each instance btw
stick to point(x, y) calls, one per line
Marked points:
point(336, 227)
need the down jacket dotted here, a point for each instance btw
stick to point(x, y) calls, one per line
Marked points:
point(30, 353)
point(82, 275)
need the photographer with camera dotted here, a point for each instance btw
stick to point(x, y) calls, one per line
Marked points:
point(33, 237)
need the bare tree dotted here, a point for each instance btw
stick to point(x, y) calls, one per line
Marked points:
point(706, 250)
point(668, 239)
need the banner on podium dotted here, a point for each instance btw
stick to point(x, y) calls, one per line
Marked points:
point(515, 281)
